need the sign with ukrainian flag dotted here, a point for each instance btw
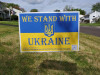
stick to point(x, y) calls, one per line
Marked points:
point(49, 32)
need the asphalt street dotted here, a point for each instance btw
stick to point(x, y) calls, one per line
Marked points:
point(90, 30)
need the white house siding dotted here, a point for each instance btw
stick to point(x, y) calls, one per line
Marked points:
point(80, 16)
point(17, 11)
point(94, 15)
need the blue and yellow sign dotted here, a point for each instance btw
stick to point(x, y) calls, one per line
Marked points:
point(49, 32)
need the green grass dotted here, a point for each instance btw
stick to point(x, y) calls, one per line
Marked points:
point(9, 22)
point(89, 24)
point(7, 30)
point(84, 62)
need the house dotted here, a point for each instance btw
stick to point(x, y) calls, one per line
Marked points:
point(85, 19)
point(3, 12)
point(94, 16)
point(90, 18)
point(80, 16)
point(15, 11)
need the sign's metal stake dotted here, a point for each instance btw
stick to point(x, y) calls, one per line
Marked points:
point(60, 62)
point(37, 63)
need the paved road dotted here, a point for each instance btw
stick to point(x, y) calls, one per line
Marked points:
point(90, 30)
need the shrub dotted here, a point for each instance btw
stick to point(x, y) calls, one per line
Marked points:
point(1, 19)
point(14, 17)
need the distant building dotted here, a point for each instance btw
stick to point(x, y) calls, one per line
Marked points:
point(15, 12)
point(80, 16)
point(3, 12)
point(90, 18)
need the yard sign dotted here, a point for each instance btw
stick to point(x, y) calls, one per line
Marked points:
point(49, 32)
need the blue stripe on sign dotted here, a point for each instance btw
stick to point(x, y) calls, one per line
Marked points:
point(38, 27)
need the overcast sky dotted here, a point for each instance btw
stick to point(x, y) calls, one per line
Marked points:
point(51, 5)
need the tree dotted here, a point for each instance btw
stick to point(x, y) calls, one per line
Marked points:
point(56, 10)
point(12, 5)
point(3, 3)
point(96, 7)
point(70, 8)
point(82, 12)
point(22, 9)
point(16, 6)
point(34, 10)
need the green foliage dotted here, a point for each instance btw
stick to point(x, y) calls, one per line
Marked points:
point(56, 10)
point(3, 4)
point(16, 6)
point(22, 9)
point(96, 7)
point(70, 8)
point(82, 12)
point(89, 24)
point(1, 19)
point(14, 17)
point(34, 10)
point(9, 22)
point(12, 5)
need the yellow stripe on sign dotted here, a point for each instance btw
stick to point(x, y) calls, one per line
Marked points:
point(40, 42)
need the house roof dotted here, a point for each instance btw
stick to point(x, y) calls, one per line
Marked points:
point(92, 12)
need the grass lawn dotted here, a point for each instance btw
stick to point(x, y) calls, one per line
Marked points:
point(89, 24)
point(84, 62)
point(9, 22)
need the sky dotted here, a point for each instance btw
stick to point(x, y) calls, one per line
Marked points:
point(51, 5)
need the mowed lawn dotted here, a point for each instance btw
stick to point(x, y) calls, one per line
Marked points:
point(90, 24)
point(84, 62)
point(9, 22)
